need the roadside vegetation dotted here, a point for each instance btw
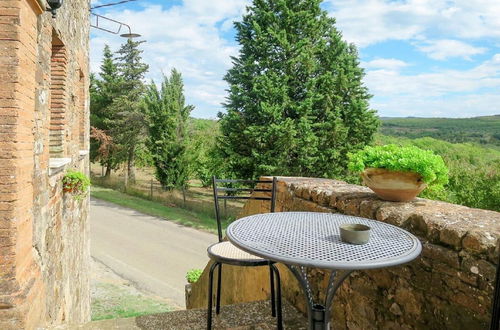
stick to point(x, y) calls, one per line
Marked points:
point(115, 301)
point(156, 208)
point(115, 297)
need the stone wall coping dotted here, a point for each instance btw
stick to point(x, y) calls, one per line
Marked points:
point(58, 164)
point(463, 229)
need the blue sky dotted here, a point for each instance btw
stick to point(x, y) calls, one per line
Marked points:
point(425, 58)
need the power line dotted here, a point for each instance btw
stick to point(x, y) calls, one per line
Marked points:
point(112, 4)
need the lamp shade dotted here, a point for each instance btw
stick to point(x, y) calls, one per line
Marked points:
point(55, 4)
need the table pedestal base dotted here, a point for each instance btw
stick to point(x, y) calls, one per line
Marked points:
point(319, 314)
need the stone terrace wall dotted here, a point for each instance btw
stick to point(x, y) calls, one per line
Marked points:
point(449, 287)
point(44, 241)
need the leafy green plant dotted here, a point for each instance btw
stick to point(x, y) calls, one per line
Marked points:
point(76, 183)
point(193, 275)
point(407, 159)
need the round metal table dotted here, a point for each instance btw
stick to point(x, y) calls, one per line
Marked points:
point(303, 240)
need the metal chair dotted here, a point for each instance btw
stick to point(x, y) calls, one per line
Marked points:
point(224, 252)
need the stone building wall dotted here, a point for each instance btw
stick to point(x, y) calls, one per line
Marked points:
point(449, 287)
point(44, 234)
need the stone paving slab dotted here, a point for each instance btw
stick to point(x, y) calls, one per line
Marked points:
point(246, 316)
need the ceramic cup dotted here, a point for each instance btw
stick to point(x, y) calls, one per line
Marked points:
point(354, 233)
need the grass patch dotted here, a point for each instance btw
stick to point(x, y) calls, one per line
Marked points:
point(175, 214)
point(116, 302)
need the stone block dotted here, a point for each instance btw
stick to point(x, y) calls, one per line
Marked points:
point(441, 255)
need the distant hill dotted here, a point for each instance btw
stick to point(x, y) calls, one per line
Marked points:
point(483, 130)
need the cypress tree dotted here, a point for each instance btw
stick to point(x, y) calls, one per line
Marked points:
point(103, 91)
point(129, 125)
point(296, 103)
point(167, 120)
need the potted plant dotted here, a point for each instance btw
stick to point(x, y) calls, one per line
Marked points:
point(76, 183)
point(398, 173)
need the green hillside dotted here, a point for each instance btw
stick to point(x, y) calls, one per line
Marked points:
point(482, 130)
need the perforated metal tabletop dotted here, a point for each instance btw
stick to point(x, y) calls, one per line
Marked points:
point(311, 239)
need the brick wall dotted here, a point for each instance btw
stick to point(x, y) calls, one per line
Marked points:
point(44, 250)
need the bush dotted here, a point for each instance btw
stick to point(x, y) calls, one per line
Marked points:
point(407, 159)
point(193, 275)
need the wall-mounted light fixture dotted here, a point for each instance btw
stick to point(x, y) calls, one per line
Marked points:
point(54, 5)
point(100, 18)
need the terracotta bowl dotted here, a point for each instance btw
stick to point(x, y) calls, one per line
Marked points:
point(393, 185)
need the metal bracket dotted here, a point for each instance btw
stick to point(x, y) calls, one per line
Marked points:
point(99, 18)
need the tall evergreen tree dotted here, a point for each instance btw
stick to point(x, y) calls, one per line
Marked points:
point(103, 91)
point(296, 102)
point(168, 119)
point(129, 126)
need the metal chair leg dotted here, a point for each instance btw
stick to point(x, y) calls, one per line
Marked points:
point(273, 295)
point(219, 283)
point(210, 293)
point(278, 302)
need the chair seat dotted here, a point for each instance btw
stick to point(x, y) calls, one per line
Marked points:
point(227, 253)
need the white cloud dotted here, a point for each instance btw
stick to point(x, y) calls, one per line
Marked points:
point(458, 106)
point(439, 83)
point(385, 63)
point(446, 48)
point(367, 22)
point(444, 92)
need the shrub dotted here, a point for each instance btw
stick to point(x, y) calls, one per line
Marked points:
point(193, 275)
point(407, 159)
point(76, 183)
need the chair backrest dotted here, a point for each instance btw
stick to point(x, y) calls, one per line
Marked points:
point(241, 189)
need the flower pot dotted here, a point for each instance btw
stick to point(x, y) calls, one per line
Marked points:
point(70, 188)
point(393, 185)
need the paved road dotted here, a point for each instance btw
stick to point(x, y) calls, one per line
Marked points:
point(153, 253)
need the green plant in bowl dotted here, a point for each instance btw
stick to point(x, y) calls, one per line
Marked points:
point(392, 169)
point(76, 183)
